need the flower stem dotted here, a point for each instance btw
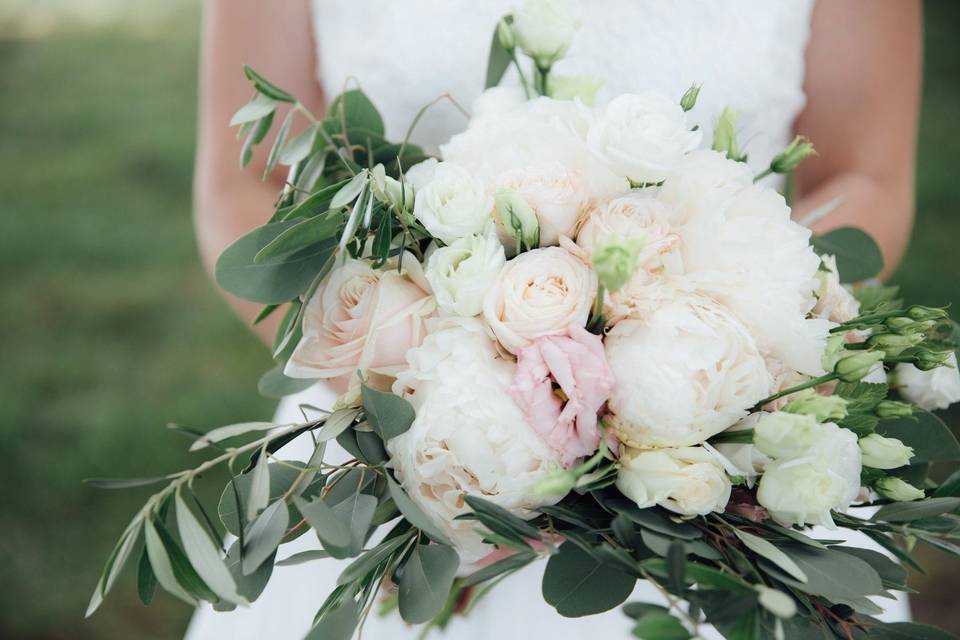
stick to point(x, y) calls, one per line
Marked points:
point(809, 384)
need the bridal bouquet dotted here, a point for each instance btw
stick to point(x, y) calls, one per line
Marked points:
point(580, 335)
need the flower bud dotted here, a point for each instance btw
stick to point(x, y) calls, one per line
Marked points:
point(786, 435)
point(795, 153)
point(896, 489)
point(929, 360)
point(725, 136)
point(505, 35)
point(894, 343)
point(390, 191)
point(569, 87)
point(887, 409)
point(822, 408)
point(833, 351)
point(689, 99)
point(558, 483)
point(879, 452)
point(918, 312)
point(902, 324)
point(519, 218)
point(615, 262)
point(856, 366)
point(544, 30)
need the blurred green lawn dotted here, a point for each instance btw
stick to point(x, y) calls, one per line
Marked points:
point(111, 329)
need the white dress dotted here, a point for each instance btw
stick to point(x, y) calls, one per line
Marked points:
point(746, 53)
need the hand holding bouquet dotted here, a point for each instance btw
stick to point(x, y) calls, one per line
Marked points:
point(579, 335)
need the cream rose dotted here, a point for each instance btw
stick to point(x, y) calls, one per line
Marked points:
point(539, 293)
point(462, 273)
point(687, 480)
point(451, 203)
point(934, 389)
point(556, 194)
point(685, 372)
point(362, 319)
point(642, 136)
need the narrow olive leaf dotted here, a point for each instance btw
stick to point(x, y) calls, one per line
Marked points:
point(308, 177)
point(338, 422)
point(303, 556)
point(858, 256)
point(700, 574)
point(278, 143)
point(502, 519)
point(299, 147)
point(259, 488)
point(388, 414)
point(264, 535)
point(266, 87)
point(257, 108)
point(248, 586)
point(229, 431)
point(907, 511)
point(370, 559)
point(146, 580)
point(348, 192)
point(114, 564)
point(316, 203)
point(769, 551)
point(676, 566)
point(413, 513)
point(576, 584)
point(322, 519)
point(337, 624)
point(424, 584)
point(162, 566)
point(204, 554)
point(908, 631)
point(303, 234)
point(125, 483)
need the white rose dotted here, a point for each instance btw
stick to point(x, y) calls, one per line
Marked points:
point(452, 203)
point(740, 247)
point(687, 371)
point(800, 492)
point(686, 480)
point(421, 173)
point(539, 293)
point(363, 319)
point(462, 273)
point(934, 389)
point(469, 438)
point(556, 194)
point(642, 136)
point(879, 452)
point(544, 29)
point(786, 435)
point(834, 302)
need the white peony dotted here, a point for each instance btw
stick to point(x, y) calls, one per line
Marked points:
point(686, 480)
point(469, 438)
point(556, 194)
point(539, 293)
point(687, 371)
point(740, 247)
point(451, 203)
point(544, 29)
point(462, 273)
point(834, 302)
point(642, 136)
point(934, 389)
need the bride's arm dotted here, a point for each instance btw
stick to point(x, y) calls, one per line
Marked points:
point(863, 87)
point(275, 39)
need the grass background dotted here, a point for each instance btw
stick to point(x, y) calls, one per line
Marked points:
point(110, 327)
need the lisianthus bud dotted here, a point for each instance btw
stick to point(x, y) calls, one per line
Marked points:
point(786, 435)
point(880, 452)
point(569, 87)
point(895, 343)
point(902, 324)
point(689, 99)
point(544, 29)
point(558, 483)
point(391, 191)
point(887, 409)
point(822, 408)
point(518, 218)
point(795, 153)
point(918, 312)
point(505, 35)
point(615, 262)
point(896, 489)
point(833, 351)
point(929, 360)
point(856, 366)
point(725, 136)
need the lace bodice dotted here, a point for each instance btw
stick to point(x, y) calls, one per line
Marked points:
point(747, 54)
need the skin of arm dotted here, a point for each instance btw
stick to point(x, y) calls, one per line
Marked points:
point(863, 85)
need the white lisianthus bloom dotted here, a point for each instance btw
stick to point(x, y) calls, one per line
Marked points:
point(686, 372)
point(879, 452)
point(539, 293)
point(544, 29)
point(642, 136)
point(934, 389)
point(800, 491)
point(834, 302)
point(462, 273)
point(469, 437)
point(786, 435)
point(556, 194)
point(740, 247)
point(421, 173)
point(686, 480)
point(452, 203)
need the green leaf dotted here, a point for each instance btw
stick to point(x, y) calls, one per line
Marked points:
point(305, 233)
point(299, 147)
point(264, 535)
point(124, 483)
point(891, 573)
point(388, 414)
point(654, 520)
point(575, 584)
point(146, 580)
point(229, 431)
point(499, 520)
point(949, 487)
point(266, 87)
point(307, 178)
point(425, 581)
point(861, 396)
point(162, 565)
point(697, 573)
point(278, 143)
point(908, 631)
point(281, 478)
point(316, 203)
point(257, 108)
point(302, 557)
point(776, 602)
point(930, 438)
point(660, 626)
point(274, 384)
point(114, 564)
point(255, 135)
point(275, 281)
point(505, 566)
point(907, 511)
point(259, 495)
point(413, 513)
point(248, 586)
point(348, 193)
point(354, 108)
point(356, 515)
point(371, 559)
point(337, 624)
point(204, 555)
point(769, 551)
point(499, 58)
point(858, 256)
point(338, 422)
point(676, 566)
point(839, 577)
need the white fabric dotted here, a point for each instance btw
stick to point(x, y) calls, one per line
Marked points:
point(746, 53)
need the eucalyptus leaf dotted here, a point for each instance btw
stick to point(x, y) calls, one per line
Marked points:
point(425, 581)
point(305, 233)
point(371, 558)
point(259, 495)
point(927, 434)
point(282, 478)
point(337, 623)
point(355, 110)
point(264, 535)
point(660, 626)
point(858, 256)
point(576, 585)
point(388, 414)
point(837, 576)
point(770, 551)
point(908, 631)
point(414, 514)
point(274, 384)
point(303, 556)
point(248, 586)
